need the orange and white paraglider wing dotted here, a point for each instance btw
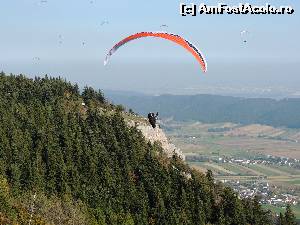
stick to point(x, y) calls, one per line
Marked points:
point(168, 36)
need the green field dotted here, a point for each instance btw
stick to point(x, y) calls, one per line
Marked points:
point(239, 170)
point(240, 141)
point(216, 168)
point(287, 169)
point(246, 170)
point(294, 182)
point(277, 210)
point(266, 170)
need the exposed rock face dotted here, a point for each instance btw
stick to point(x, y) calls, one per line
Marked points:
point(157, 134)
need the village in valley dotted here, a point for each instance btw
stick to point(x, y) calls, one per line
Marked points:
point(256, 186)
point(254, 160)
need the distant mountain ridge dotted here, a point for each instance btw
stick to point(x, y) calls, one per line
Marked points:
point(214, 108)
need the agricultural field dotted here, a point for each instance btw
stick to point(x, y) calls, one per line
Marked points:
point(233, 139)
point(252, 154)
point(296, 210)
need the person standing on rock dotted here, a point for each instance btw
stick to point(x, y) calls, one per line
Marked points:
point(152, 118)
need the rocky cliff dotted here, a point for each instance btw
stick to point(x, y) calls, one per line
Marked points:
point(157, 134)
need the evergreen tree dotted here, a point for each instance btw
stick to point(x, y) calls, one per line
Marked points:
point(280, 219)
point(289, 217)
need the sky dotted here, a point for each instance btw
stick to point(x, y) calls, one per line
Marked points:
point(40, 38)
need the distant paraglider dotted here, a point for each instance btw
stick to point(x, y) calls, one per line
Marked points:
point(60, 39)
point(244, 36)
point(36, 58)
point(168, 36)
point(104, 22)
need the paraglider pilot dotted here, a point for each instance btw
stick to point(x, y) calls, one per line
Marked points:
point(152, 119)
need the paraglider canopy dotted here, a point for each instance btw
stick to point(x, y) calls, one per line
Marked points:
point(168, 36)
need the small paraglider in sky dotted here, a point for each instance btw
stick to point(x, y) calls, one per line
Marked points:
point(104, 22)
point(36, 58)
point(60, 39)
point(83, 43)
point(164, 25)
point(244, 36)
point(42, 2)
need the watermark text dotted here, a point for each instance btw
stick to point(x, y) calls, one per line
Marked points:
point(192, 9)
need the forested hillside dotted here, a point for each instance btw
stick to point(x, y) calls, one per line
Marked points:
point(69, 158)
point(215, 109)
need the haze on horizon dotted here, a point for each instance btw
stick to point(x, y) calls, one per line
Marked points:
point(54, 31)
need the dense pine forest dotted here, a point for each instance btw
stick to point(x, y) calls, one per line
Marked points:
point(68, 157)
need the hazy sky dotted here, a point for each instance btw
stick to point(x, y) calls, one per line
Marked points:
point(54, 32)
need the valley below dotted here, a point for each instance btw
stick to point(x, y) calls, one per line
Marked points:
point(252, 159)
